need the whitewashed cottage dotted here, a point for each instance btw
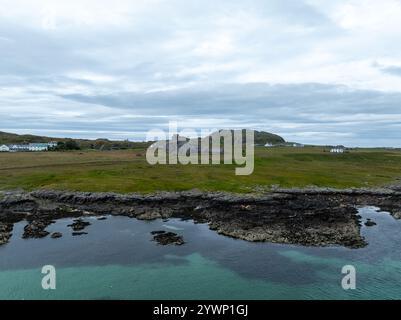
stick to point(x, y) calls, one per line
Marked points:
point(4, 148)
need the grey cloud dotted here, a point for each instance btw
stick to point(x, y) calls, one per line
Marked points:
point(257, 99)
point(340, 114)
point(138, 51)
point(393, 70)
point(154, 70)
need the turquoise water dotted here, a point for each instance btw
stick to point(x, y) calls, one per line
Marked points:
point(118, 260)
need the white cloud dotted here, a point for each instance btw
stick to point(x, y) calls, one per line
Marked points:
point(368, 15)
point(90, 76)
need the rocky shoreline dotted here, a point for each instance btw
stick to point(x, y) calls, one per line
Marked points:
point(312, 217)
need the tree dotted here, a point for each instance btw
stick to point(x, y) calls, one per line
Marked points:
point(68, 145)
point(71, 145)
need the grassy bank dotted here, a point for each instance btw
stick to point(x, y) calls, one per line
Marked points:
point(128, 171)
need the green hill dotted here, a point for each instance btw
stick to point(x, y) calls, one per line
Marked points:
point(261, 138)
point(99, 144)
point(9, 138)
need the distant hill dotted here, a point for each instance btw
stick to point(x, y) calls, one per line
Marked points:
point(9, 138)
point(98, 144)
point(261, 138)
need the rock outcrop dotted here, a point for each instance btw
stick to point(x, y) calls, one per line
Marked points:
point(36, 229)
point(56, 235)
point(313, 217)
point(165, 238)
point(5, 232)
point(79, 225)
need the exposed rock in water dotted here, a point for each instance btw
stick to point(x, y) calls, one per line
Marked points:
point(79, 225)
point(313, 217)
point(165, 238)
point(150, 215)
point(370, 223)
point(5, 232)
point(396, 214)
point(79, 233)
point(36, 229)
point(101, 218)
point(56, 235)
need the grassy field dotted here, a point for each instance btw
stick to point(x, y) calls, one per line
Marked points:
point(128, 171)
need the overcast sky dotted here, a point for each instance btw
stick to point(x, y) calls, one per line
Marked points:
point(313, 71)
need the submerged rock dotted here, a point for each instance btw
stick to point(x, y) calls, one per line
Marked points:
point(80, 233)
point(56, 235)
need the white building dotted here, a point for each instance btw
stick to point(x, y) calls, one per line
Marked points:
point(52, 144)
point(337, 150)
point(19, 147)
point(38, 147)
point(298, 145)
point(4, 148)
point(33, 147)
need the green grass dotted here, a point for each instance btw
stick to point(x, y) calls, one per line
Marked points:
point(128, 171)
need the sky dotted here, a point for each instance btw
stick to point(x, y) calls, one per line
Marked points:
point(312, 71)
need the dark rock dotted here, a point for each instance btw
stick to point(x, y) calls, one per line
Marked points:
point(80, 233)
point(36, 229)
point(101, 218)
point(56, 235)
point(396, 214)
point(312, 216)
point(149, 215)
point(79, 225)
point(370, 223)
point(5, 232)
point(166, 238)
